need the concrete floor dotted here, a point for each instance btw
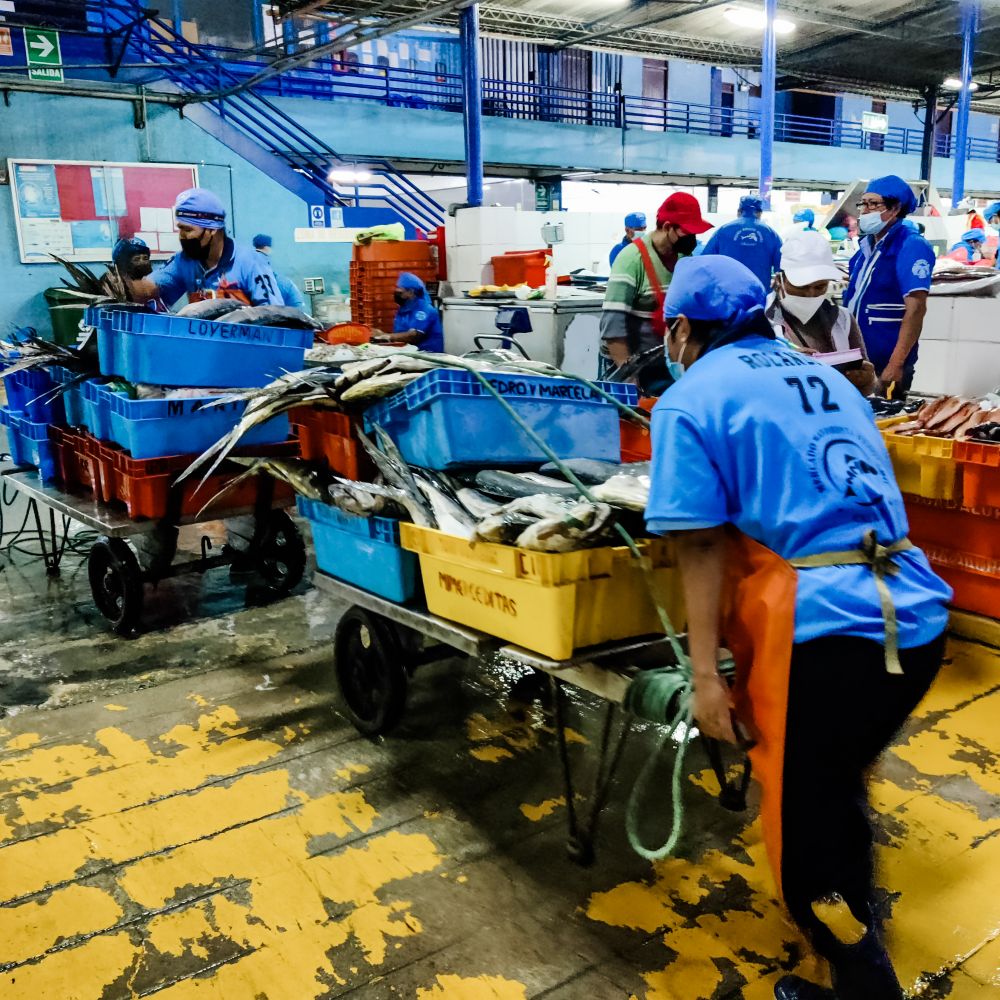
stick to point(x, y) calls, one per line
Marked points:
point(187, 815)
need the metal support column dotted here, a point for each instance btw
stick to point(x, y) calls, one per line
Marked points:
point(258, 25)
point(177, 13)
point(768, 71)
point(930, 131)
point(970, 24)
point(472, 104)
point(713, 198)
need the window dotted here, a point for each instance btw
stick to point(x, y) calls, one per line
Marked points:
point(441, 68)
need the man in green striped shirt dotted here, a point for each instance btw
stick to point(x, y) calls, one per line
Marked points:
point(632, 320)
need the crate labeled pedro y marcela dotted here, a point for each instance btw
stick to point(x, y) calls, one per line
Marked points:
point(162, 349)
point(448, 419)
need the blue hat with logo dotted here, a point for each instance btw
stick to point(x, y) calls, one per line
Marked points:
point(127, 248)
point(262, 240)
point(714, 288)
point(751, 204)
point(410, 281)
point(892, 186)
point(635, 220)
point(200, 207)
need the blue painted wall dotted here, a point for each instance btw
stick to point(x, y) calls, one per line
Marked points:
point(41, 127)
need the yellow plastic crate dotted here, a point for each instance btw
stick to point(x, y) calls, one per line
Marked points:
point(550, 603)
point(924, 466)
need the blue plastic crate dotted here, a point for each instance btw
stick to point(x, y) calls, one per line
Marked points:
point(154, 428)
point(33, 394)
point(97, 409)
point(72, 397)
point(161, 349)
point(364, 551)
point(29, 444)
point(447, 419)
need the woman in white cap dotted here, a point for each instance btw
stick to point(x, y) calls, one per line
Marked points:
point(800, 310)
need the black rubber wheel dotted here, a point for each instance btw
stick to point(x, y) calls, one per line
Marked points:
point(280, 556)
point(371, 673)
point(116, 581)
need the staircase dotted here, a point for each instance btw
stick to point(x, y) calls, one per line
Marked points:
point(259, 131)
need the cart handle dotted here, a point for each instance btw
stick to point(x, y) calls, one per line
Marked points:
point(504, 339)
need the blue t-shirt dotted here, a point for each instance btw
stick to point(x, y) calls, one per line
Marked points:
point(752, 242)
point(617, 249)
point(290, 292)
point(786, 449)
point(420, 315)
point(241, 268)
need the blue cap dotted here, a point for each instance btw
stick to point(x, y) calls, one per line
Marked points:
point(127, 248)
point(635, 220)
point(751, 204)
point(804, 215)
point(408, 280)
point(838, 233)
point(262, 240)
point(714, 288)
point(200, 207)
point(973, 234)
point(991, 210)
point(892, 186)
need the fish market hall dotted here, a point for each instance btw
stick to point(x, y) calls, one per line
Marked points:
point(499, 502)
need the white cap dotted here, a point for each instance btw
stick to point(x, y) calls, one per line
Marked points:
point(806, 257)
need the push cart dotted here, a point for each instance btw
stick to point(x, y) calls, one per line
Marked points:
point(379, 644)
point(117, 579)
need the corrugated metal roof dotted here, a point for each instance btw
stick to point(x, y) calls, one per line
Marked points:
point(890, 47)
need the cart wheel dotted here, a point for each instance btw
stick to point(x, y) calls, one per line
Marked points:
point(281, 553)
point(370, 672)
point(116, 582)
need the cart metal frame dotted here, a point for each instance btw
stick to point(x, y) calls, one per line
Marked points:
point(116, 578)
point(375, 630)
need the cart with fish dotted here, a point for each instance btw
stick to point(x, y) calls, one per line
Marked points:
point(99, 433)
point(497, 520)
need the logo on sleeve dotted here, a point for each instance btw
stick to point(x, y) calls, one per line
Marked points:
point(421, 315)
point(921, 268)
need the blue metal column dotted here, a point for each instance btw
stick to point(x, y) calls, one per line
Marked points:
point(970, 25)
point(258, 24)
point(472, 104)
point(178, 16)
point(767, 73)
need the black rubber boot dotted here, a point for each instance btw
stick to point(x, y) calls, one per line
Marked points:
point(797, 988)
point(864, 972)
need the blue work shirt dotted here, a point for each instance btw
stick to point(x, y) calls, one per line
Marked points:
point(617, 249)
point(882, 275)
point(786, 449)
point(420, 315)
point(290, 292)
point(752, 242)
point(240, 268)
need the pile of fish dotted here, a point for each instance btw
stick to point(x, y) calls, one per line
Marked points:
point(234, 311)
point(989, 432)
point(951, 417)
point(883, 407)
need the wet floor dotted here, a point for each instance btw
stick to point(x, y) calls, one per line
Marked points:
point(188, 815)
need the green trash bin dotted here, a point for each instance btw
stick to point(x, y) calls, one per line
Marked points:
point(66, 310)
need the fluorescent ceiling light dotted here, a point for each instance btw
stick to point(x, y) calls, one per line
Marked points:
point(342, 176)
point(953, 83)
point(754, 17)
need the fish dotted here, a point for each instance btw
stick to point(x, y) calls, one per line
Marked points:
point(283, 316)
point(589, 471)
point(980, 416)
point(210, 308)
point(631, 369)
point(948, 408)
point(302, 478)
point(397, 474)
point(360, 499)
point(376, 387)
point(509, 523)
point(477, 504)
point(989, 432)
point(450, 516)
point(956, 420)
point(583, 525)
point(631, 492)
point(512, 485)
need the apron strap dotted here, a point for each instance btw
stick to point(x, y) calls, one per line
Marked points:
point(879, 558)
point(659, 323)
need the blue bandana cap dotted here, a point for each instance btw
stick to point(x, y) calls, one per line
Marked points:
point(751, 204)
point(804, 215)
point(973, 234)
point(715, 288)
point(262, 240)
point(407, 280)
point(127, 248)
point(892, 186)
point(635, 220)
point(991, 210)
point(200, 207)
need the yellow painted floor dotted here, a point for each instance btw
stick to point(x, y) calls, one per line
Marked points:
point(213, 833)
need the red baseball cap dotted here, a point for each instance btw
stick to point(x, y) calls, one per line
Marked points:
point(683, 210)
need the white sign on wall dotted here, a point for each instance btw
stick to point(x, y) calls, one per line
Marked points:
point(872, 121)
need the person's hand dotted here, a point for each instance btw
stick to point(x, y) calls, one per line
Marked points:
point(862, 378)
point(380, 336)
point(891, 373)
point(713, 707)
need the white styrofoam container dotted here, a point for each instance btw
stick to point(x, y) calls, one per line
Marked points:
point(491, 225)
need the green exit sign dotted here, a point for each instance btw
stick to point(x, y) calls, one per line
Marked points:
point(44, 54)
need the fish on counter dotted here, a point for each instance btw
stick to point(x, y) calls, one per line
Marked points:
point(950, 417)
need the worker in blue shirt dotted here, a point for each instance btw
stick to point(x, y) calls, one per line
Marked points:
point(635, 225)
point(263, 243)
point(890, 281)
point(969, 249)
point(773, 478)
point(210, 264)
point(417, 321)
point(748, 240)
point(808, 217)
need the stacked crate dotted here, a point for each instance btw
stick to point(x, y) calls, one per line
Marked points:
point(375, 270)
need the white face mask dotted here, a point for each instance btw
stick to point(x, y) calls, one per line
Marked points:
point(871, 222)
point(802, 307)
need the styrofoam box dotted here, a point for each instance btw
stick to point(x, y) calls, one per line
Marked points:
point(483, 226)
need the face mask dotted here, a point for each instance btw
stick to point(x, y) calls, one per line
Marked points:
point(871, 222)
point(675, 369)
point(802, 307)
point(686, 245)
point(194, 249)
point(140, 270)
point(399, 298)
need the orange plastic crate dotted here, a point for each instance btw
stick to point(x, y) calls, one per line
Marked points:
point(390, 250)
point(976, 582)
point(347, 333)
point(637, 445)
point(327, 436)
point(521, 267)
point(979, 465)
point(943, 527)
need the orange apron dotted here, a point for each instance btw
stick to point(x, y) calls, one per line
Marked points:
point(224, 291)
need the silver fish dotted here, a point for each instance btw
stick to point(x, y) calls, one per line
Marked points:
point(498, 483)
point(631, 492)
point(451, 518)
point(397, 475)
point(508, 523)
point(477, 504)
point(210, 308)
point(301, 477)
point(583, 525)
point(352, 498)
point(283, 316)
point(589, 471)
point(377, 387)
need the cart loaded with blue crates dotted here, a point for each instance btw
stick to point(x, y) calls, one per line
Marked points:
point(99, 433)
point(479, 505)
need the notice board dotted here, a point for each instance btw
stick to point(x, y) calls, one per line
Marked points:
point(78, 209)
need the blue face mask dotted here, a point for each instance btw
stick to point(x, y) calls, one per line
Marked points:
point(675, 369)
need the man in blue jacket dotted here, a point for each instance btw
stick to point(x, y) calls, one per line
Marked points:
point(262, 243)
point(417, 321)
point(635, 225)
point(749, 240)
point(890, 281)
